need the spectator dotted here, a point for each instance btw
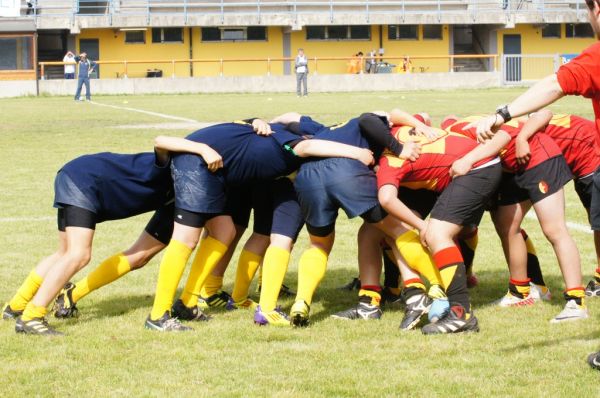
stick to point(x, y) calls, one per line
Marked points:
point(406, 65)
point(70, 68)
point(86, 67)
point(29, 7)
point(371, 64)
point(301, 72)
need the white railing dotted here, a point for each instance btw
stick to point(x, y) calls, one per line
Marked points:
point(523, 69)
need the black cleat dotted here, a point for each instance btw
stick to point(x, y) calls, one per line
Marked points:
point(594, 360)
point(389, 298)
point(64, 306)
point(456, 321)
point(417, 305)
point(166, 324)
point(221, 299)
point(180, 311)
point(36, 326)
point(361, 311)
point(592, 289)
point(299, 314)
point(8, 313)
point(354, 284)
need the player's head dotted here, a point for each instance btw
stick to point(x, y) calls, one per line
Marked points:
point(448, 121)
point(594, 15)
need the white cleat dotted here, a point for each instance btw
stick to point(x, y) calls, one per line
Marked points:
point(538, 294)
point(571, 312)
point(512, 301)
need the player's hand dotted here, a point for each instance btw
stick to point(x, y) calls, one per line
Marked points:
point(486, 127)
point(410, 151)
point(365, 156)
point(213, 160)
point(261, 127)
point(459, 168)
point(428, 132)
point(522, 151)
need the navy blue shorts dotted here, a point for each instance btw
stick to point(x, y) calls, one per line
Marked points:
point(66, 193)
point(287, 215)
point(324, 186)
point(197, 189)
point(160, 226)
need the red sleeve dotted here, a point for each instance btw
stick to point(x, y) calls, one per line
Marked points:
point(387, 174)
point(581, 76)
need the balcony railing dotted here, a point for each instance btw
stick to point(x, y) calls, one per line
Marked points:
point(299, 12)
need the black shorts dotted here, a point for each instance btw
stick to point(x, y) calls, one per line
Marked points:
point(584, 188)
point(73, 216)
point(419, 200)
point(595, 206)
point(160, 226)
point(241, 200)
point(534, 184)
point(464, 199)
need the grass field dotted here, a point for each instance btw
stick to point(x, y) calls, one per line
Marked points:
point(108, 353)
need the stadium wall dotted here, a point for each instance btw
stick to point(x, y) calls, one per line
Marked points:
point(259, 84)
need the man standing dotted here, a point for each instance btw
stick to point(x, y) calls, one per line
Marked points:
point(301, 72)
point(86, 67)
point(578, 77)
point(70, 67)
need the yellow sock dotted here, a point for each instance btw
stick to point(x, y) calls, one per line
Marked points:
point(207, 257)
point(212, 286)
point(246, 268)
point(171, 268)
point(26, 292)
point(275, 265)
point(33, 311)
point(374, 296)
point(108, 271)
point(311, 270)
point(417, 257)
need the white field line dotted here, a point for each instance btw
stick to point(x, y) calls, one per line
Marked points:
point(164, 116)
point(571, 225)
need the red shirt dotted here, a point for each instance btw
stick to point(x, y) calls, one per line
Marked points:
point(431, 170)
point(581, 76)
point(575, 136)
point(542, 147)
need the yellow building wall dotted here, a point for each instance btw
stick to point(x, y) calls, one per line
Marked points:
point(272, 48)
point(532, 42)
point(331, 48)
point(420, 47)
point(112, 47)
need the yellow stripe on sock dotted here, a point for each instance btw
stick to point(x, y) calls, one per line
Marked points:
point(275, 265)
point(108, 271)
point(26, 291)
point(246, 268)
point(311, 270)
point(206, 259)
point(171, 268)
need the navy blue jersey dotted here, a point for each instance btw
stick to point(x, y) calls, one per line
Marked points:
point(248, 157)
point(121, 186)
point(348, 133)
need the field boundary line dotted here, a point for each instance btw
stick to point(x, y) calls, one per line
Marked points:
point(163, 115)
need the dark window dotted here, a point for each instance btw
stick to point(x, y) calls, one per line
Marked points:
point(337, 32)
point(432, 32)
point(211, 34)
point(135, 36)
point(579, 30)
point(392, 32)
point(17, 53)
point(167, 35)
point(360, 32)
point(315, 33)
point(551, 30)
point(232, 34)
point(256, 33)
point(408, 32)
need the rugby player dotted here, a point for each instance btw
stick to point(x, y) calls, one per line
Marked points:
point(89, 190)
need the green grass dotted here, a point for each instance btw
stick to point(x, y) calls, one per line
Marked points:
point(108, 353)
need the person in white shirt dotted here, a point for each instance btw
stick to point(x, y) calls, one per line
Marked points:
point(70, 68)
point(301, 72)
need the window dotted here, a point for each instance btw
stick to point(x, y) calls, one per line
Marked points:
point(432, 32)
point(578, 30)
point(403, 32)
point(338, 32)
point(250, 33)
point(17, 53)
point(167, 35)
point(135, 37)
point(551, 31)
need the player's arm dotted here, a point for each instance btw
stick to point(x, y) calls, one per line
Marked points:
point(163, 145)
point(485, 150)
point(376, 129)
point(399, 117)
point(326, 149)
point(287, 118)
point(388, 197)
point(541, 94)
point(535, 123)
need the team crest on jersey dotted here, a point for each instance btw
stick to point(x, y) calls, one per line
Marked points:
point(543, 186)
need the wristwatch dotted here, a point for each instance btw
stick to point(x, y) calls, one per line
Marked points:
point(504, 114)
